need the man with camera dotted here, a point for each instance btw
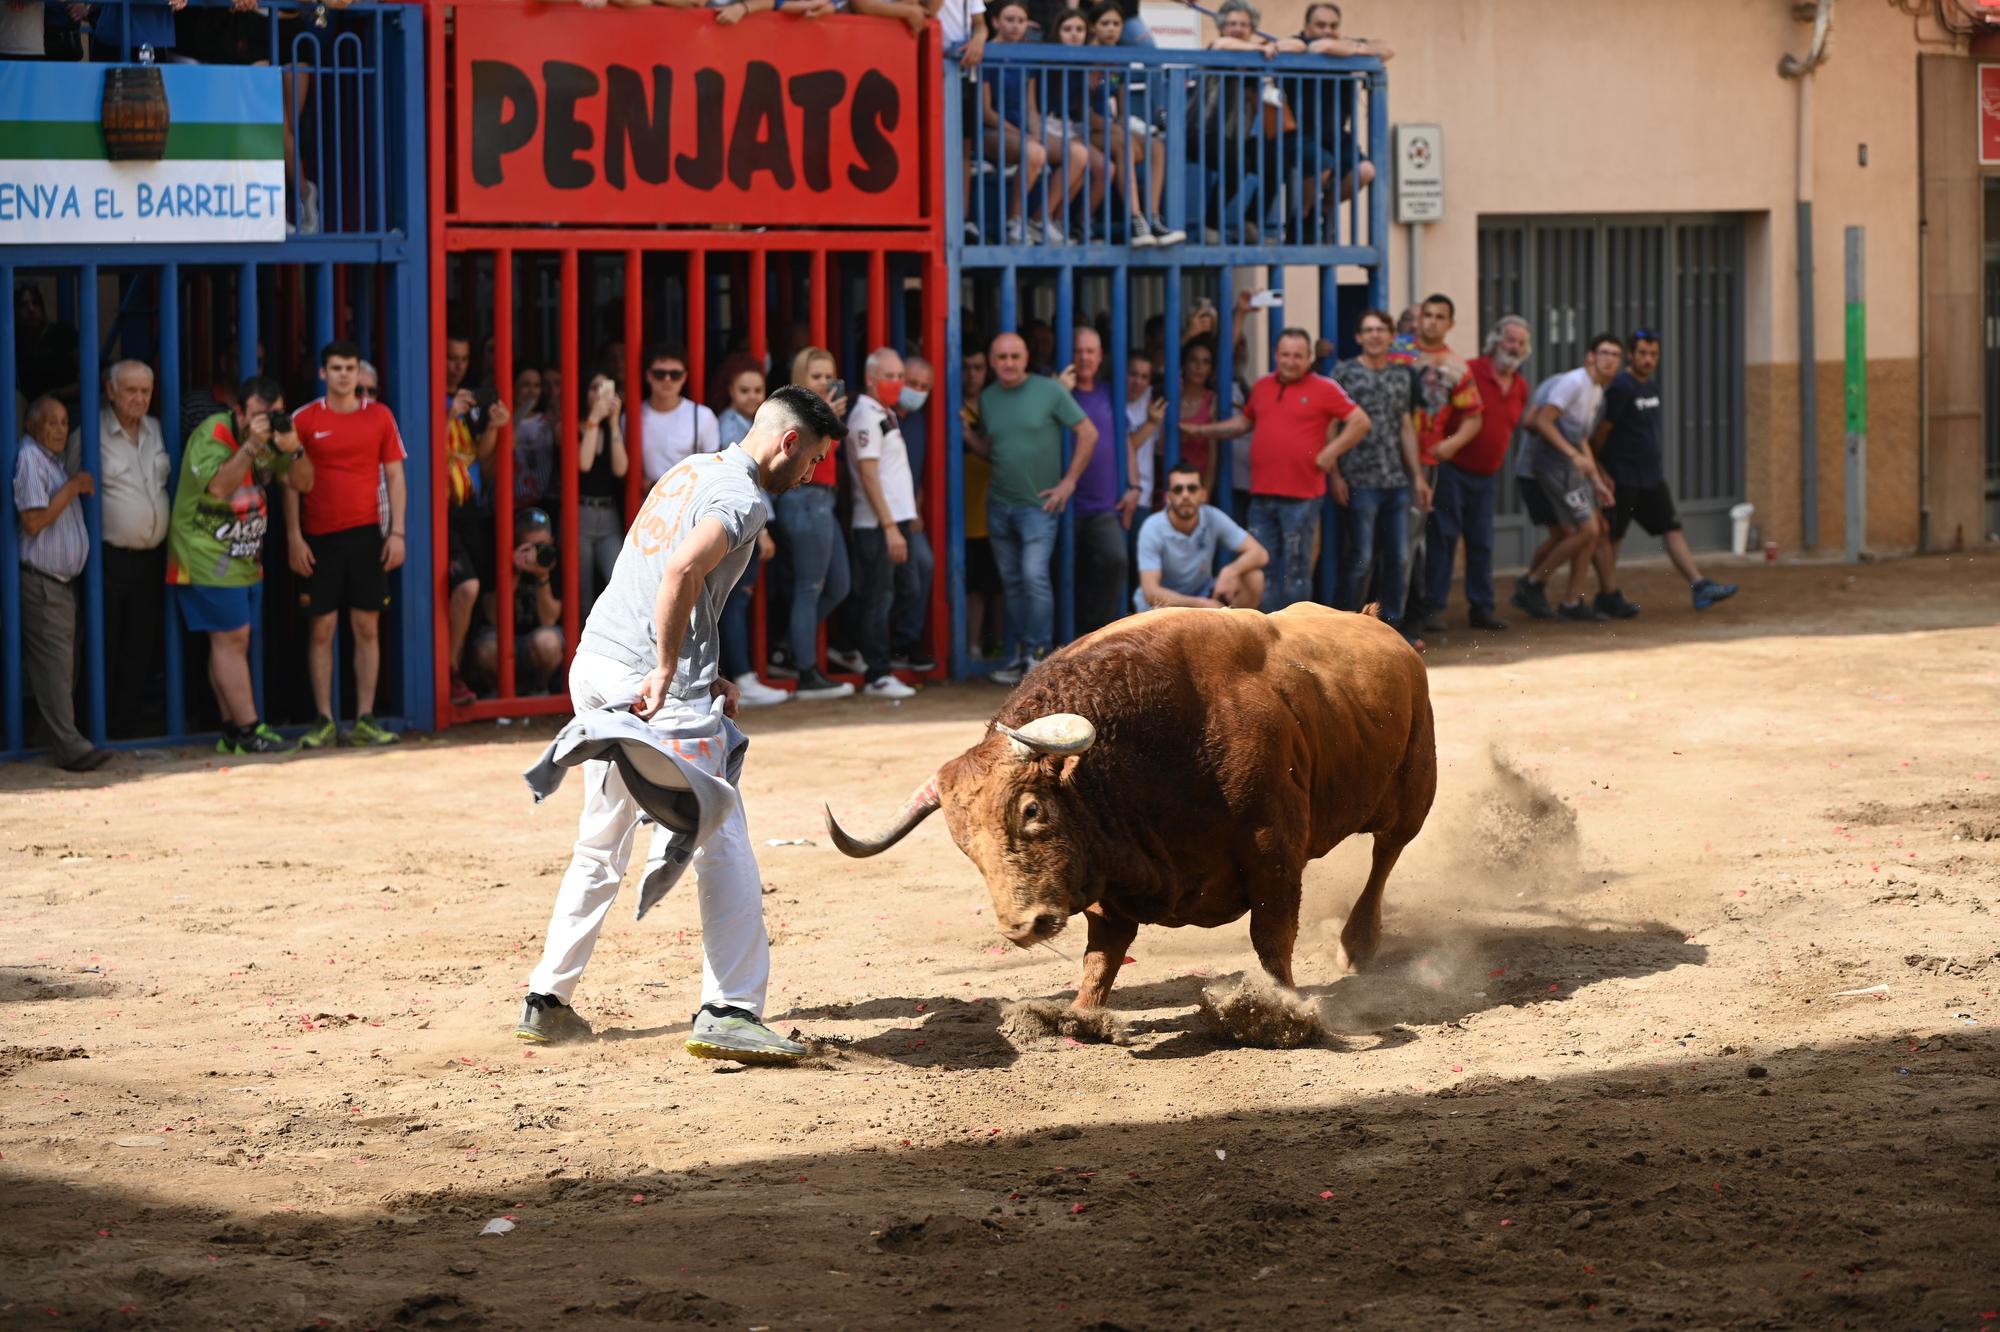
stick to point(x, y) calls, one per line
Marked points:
point(538, 635)
point(215, 543)
point(334, 540)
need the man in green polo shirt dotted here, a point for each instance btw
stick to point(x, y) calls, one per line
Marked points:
point(215, 544)
point(1023, 417)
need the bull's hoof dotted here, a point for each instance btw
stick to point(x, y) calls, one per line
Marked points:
point(1040, 1022)
point(1354, 955)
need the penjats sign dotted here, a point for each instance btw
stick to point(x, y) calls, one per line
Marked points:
point(643, 116)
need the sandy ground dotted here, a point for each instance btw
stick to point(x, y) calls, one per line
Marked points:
point(257, 1068)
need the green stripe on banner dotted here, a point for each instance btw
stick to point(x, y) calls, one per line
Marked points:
point(83, 140)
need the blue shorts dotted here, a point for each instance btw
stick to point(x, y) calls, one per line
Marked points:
point(215, 610)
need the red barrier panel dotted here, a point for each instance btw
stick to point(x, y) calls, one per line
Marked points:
point(660, 116)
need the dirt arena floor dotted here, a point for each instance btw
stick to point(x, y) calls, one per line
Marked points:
point(1722, 1054)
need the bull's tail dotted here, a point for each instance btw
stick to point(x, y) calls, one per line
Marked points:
point(1373, 608)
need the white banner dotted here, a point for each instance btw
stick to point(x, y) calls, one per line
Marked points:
point(80, 202)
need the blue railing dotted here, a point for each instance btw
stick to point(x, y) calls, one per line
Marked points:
point(354, 115)
point(1232, 149)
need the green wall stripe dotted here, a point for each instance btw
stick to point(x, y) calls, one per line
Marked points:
point(60, 140)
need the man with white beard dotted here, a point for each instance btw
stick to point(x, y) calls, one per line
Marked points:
point(1468, 475)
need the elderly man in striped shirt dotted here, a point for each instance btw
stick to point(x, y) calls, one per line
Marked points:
point(55, 545)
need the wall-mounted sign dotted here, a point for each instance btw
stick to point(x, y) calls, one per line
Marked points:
point(1419, 152)
point(1989, 115)
point(221, 178)
point(639, 116)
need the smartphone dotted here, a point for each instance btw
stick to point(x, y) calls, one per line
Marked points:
point(836, 390)
point(1266, 300)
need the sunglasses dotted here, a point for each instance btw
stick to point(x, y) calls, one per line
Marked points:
point(1190, 489)
point(661, 372)
point(1644, 335)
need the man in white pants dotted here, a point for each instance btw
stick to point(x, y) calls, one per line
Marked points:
point(653, 639)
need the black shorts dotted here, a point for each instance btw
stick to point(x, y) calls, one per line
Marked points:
point(347, 572)
point(1652, 507)
point(1540, 512)
point(982, 574)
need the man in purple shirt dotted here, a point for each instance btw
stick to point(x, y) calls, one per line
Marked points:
point(1100, 524)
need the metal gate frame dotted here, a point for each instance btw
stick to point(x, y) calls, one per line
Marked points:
point(387, 223)
point(1679, 273)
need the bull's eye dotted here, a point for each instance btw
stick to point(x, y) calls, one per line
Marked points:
point(1031, 811)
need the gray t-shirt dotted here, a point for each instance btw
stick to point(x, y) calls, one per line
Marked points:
point(1186, 560)
point(722, 486)
point(1579, 401)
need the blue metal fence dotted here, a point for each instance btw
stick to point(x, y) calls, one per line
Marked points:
point(1048, 149)
point(353, 264)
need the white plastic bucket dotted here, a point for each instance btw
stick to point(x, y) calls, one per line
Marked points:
point(1739, 528)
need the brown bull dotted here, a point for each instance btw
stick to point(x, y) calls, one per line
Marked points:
point(1181, 768)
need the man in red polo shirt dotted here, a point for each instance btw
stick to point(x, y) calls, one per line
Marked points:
point(337, 544)
point(1468, 475)
point(1294, 446)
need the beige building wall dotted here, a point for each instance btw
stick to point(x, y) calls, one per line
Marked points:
point(1599, 106)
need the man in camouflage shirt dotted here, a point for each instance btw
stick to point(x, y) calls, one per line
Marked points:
point(1377, 477)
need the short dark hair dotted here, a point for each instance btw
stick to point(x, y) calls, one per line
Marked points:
point(1439, 298)
point(1053, 32)
point(1328, 4)
point(1296, 333)
point(1599, 339)
point(1103, 7)
point(338, 347)
point(1184, 466)
point(453, 333)
point(665, 351)
point(260, 386)
point(1375, 312)
point(809, 411)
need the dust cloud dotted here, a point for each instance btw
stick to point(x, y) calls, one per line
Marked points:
point(1253, 1010)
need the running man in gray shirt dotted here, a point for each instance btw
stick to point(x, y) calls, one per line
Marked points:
point(652, 644)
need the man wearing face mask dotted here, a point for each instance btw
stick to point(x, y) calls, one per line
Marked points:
point(892, 556)
point(912, 605)
point(1468, 475)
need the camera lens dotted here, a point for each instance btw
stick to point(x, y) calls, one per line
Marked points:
point(545, 554)
point(281, 422)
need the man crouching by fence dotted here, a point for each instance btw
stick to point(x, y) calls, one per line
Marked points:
point(652, 735)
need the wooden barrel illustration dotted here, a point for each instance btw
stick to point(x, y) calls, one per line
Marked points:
point(135, 113)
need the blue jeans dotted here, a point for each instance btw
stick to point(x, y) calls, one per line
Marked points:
point(1377, 535)
point(819, 566)
point(1024, 539)
point(1461, 507)
point(735, 624)
point(1285, 527)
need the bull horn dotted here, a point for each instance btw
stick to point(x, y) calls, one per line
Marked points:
point(920, 806)
point(1058, 733)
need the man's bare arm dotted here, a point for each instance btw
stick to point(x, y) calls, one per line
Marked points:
point(688, 565)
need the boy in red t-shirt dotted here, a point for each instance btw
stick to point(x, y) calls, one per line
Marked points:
point(336, 542)
point(1289, 417)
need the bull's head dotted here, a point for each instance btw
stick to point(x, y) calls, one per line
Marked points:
point(1013, 808)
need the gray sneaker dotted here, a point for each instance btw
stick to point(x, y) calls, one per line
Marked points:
point(735, 1033)
point(547, 1020)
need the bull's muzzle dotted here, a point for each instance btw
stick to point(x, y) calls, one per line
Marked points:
point(1031, 930)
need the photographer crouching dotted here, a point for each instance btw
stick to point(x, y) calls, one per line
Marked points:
point(538, 635)
point(215, 543)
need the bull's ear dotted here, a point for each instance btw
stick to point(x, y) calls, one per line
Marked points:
point(1058, 733)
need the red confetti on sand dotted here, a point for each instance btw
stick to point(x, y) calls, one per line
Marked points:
point(1554, 988)
point(1326, 1193)
point(802, 1179)
point(1076, 1209)
point(906, 1142)
point(1507, 1223)
point(1130, 960)
point(638, 1197)
point(1497, 971)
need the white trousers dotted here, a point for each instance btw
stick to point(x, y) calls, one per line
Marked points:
point(736, 952)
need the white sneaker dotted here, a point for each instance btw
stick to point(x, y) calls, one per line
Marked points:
point(853, 663)
point(1015, 234)
point(887, 687)
point(754, 693)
